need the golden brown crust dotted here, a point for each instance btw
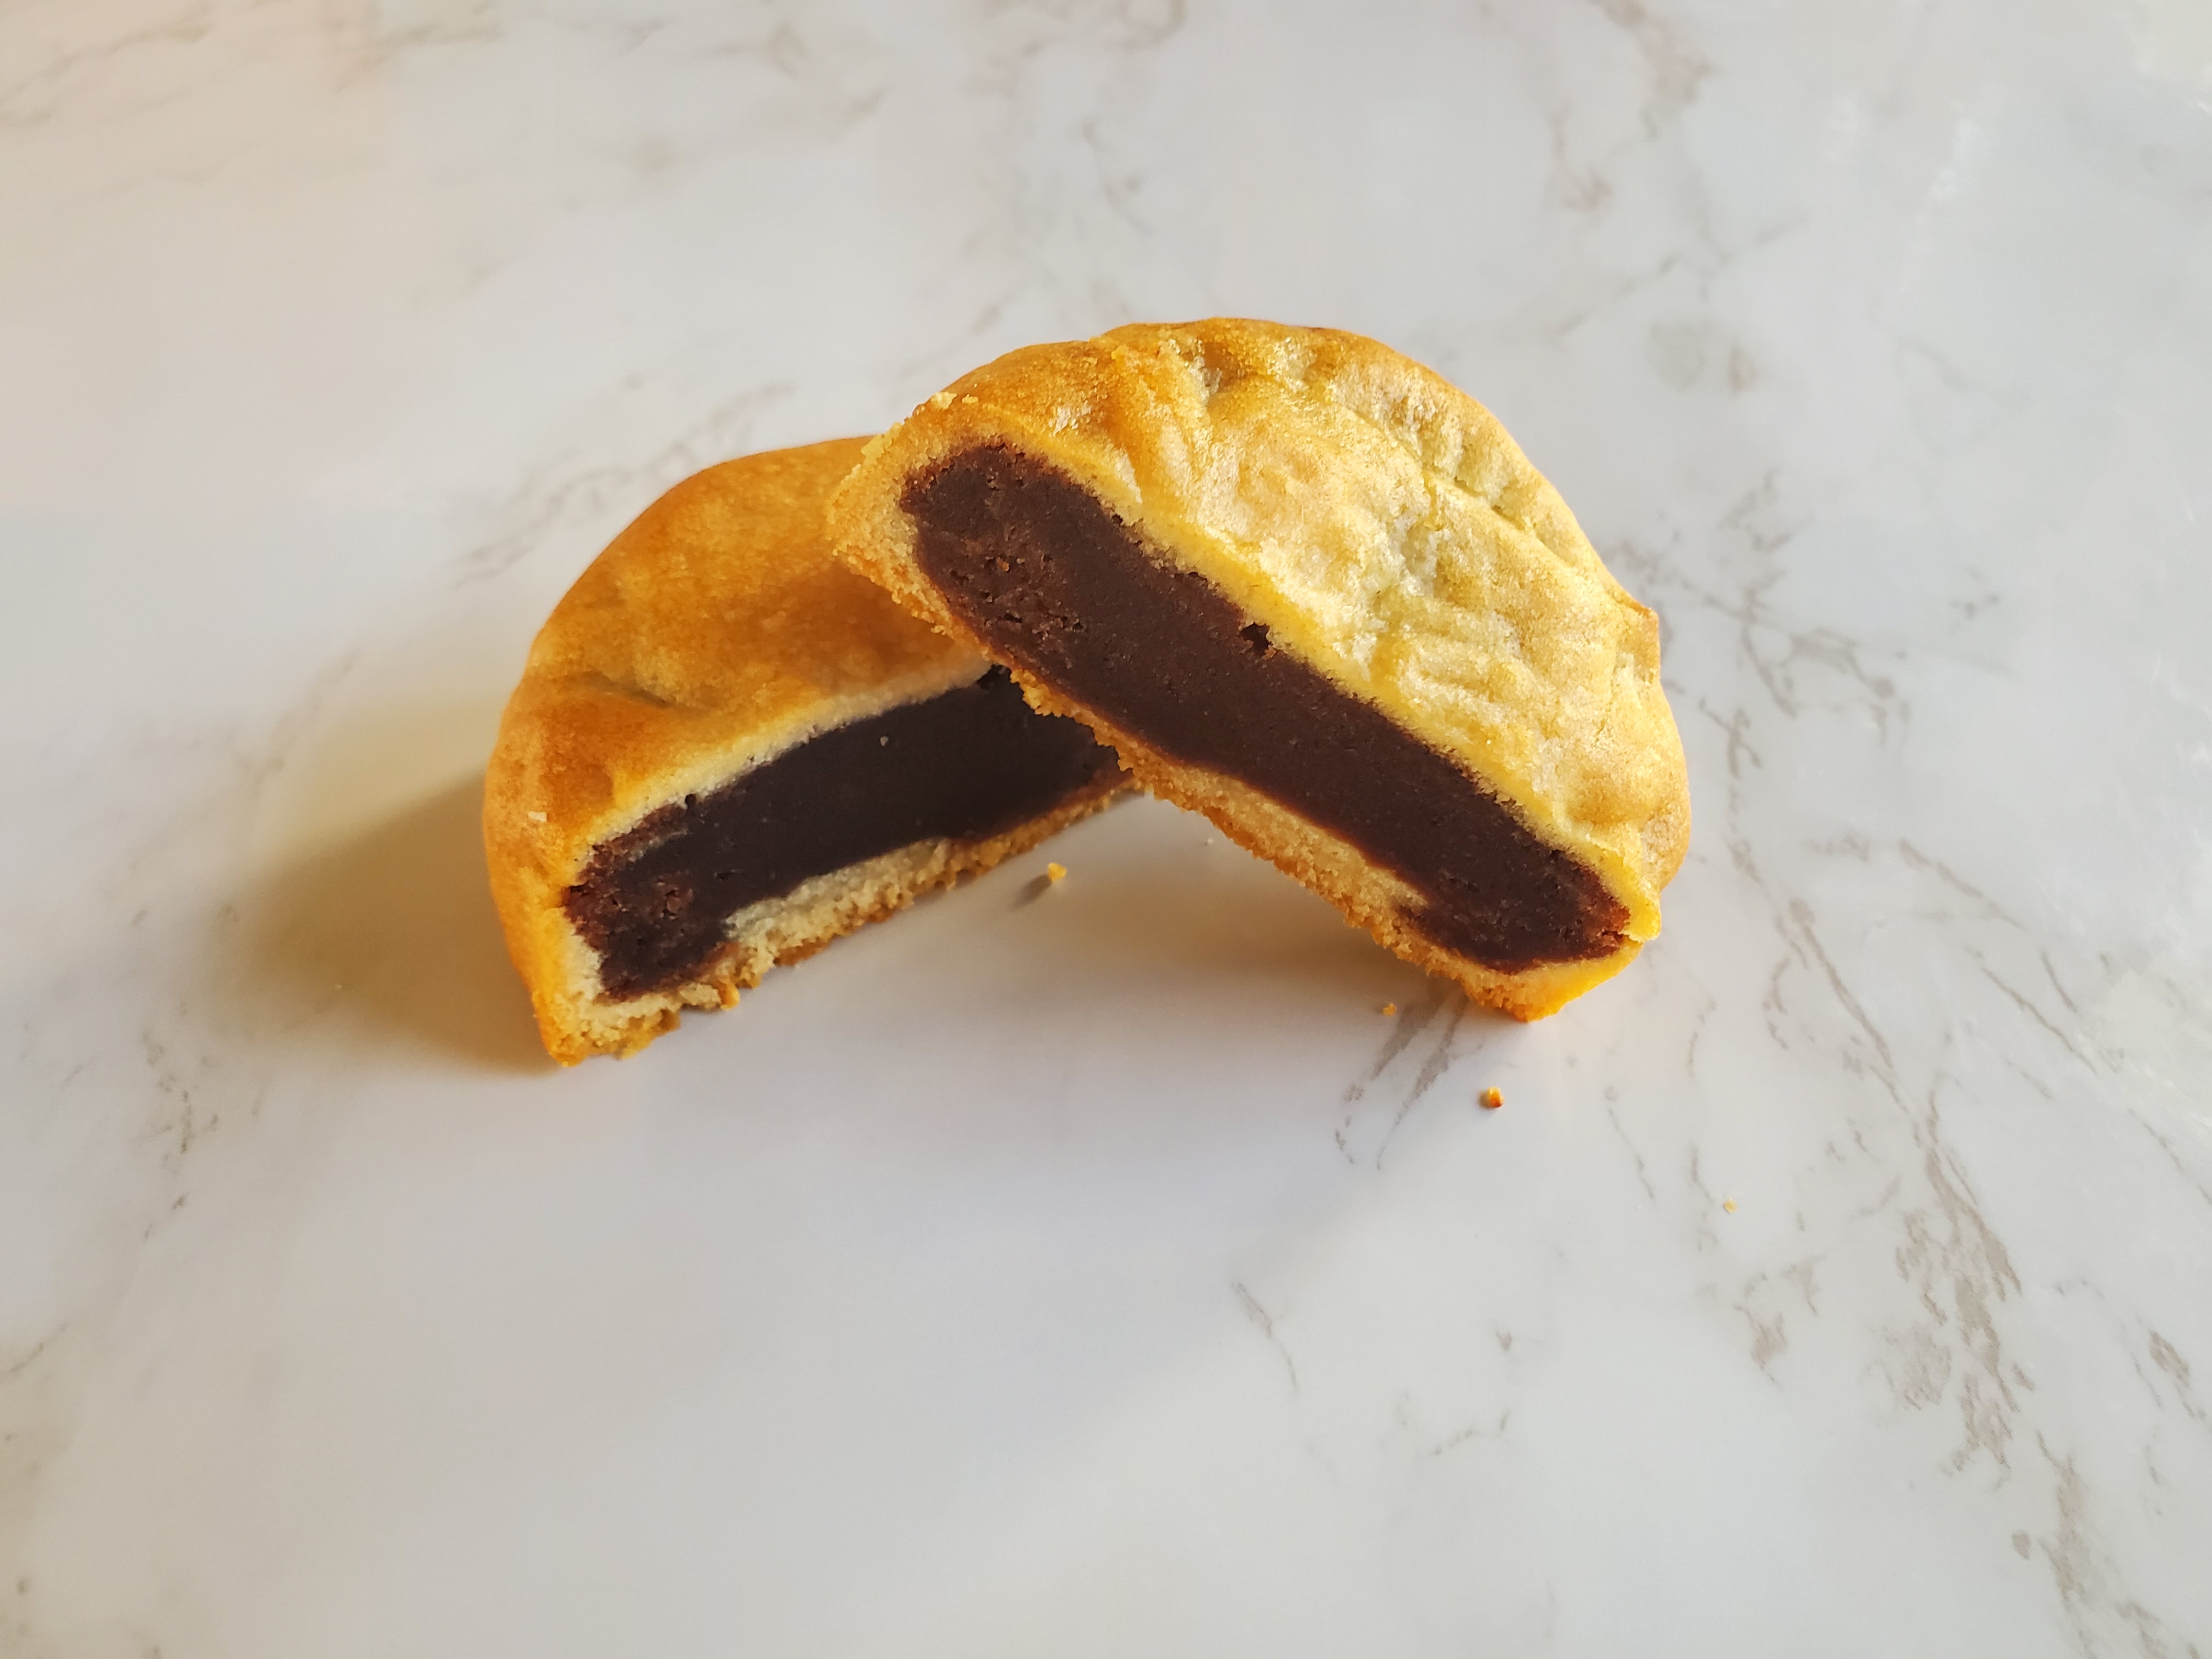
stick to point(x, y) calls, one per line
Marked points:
point(1391, 536)
point(715, 632)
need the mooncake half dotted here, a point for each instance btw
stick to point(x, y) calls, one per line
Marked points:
point(1306, 586)
point(727, 750)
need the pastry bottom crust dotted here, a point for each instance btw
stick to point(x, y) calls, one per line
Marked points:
point(1370, 897)
point(779, 932)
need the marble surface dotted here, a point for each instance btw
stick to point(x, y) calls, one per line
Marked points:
point(1100, 1272)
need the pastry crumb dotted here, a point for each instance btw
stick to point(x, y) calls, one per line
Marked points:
point(536, 817)
point(1729, 1204)
point(1054, 871)
point(1389, 1007)
point(1492, 1100)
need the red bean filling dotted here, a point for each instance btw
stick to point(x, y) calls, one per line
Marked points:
point(968, 764)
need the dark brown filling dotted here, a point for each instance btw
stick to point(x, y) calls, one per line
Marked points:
point(971, 764)
point(1054, 582)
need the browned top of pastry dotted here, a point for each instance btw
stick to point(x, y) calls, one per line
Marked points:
point(715, 631)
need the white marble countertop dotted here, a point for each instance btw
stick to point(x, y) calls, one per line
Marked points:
point(1105, 1274)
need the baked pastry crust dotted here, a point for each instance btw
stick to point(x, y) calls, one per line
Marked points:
point(716, 632)
point(1390, 535)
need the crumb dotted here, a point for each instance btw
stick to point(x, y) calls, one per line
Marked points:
point(1389, 1007)
point(1054, 871)
point(1729, 1205)
point(883, 743)
point(537, 817)
point(1491, 1099)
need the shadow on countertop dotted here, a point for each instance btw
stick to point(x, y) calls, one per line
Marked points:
point(391, 934)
